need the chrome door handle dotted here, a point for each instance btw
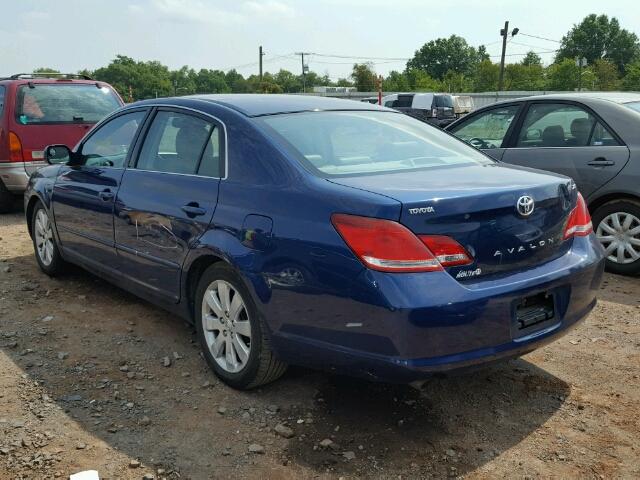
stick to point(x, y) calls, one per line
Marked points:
point(601, 162)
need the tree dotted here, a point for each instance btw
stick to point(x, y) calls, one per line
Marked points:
point(45, 70)
point(421, 81)
point(598, 37)
point(485, 78)
point(531, 58)
point(363, 77)
point(606, 75)
point(566, 76)
point(211, 81)
point(631, 81)
point(395, 82)
point(439, 56)
point(455, 82)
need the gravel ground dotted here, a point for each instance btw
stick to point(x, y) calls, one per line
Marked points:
point(84, 384)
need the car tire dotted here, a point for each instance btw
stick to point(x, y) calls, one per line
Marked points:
point(617, 224)
point(44, 242)
point(226, 331)
point(7, 199)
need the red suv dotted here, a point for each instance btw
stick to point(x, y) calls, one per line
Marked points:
point(37, 110)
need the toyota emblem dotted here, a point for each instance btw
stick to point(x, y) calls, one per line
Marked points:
point(525, 205)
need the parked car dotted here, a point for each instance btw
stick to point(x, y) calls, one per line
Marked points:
point(434, 108)
point(373, 100)
point(40, 109)
point(319, 232)
point(462, 105)
point(591, 137)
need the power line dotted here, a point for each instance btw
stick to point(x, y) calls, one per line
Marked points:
point(540, 38)
point(355, 57)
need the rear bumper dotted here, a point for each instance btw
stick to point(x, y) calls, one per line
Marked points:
point(14, 176)
point(432, 323)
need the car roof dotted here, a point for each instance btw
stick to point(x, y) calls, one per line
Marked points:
point(585, 97)
point(50, 81)
point(255, 105)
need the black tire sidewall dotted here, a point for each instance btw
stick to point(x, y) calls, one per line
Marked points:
point(623, 206)
point(246, 376)
point(56, 261)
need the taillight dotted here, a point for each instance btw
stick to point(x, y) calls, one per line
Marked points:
point(448, 252)
point(15, 148)
point(579, 222)
point(388, 246)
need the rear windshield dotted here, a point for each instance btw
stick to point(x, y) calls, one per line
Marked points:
point(444, 101)
point(356, 143)
point(633, 105)
point(54, 104)
point(1, 99)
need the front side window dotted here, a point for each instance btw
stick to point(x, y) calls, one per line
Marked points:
point(356, 143)
point(44, 103)
point(109, 145)
point(488, 129)
point(556, 125)
point(176, 142)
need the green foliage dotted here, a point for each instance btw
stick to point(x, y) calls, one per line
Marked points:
point(442, 55)
point(364, 77)
point(486, 77)
point(531, 58)
point(606, 75)
point(45, 70)
point(631, 80)
point(524, 77)
point(598, 36)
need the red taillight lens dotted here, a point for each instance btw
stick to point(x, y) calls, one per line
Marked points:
point(579, 223)
point(388, 246)
point(15, 148)
point(448, 252)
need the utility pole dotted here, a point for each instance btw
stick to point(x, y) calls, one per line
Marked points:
point(504, 33)
point(260, 54)
point(305, 69)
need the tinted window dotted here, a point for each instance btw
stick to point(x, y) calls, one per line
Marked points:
point(556, 125)
point(75, 103)
point(347, 143)
point(175, 142)
point(487, 129)
point(403, 101)
point(444, 101)
point(1, 99)
point(110, 143)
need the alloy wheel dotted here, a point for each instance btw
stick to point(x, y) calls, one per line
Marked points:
point(44, 237)
point(619, 234)
point(226, 326)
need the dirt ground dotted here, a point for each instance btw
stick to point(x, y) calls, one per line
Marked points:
point(83, 385)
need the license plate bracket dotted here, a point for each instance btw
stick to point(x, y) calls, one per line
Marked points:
point(533, 313)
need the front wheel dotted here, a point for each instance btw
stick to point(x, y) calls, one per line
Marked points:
point(617, 226)
point(44, 242)
point(231, 332)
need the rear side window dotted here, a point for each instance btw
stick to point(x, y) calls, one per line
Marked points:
point(556, 125)
point(403, 101)
point(601, 137)
point(176, 143)
point(633, 106)
point(1, 99)
point(64, 103)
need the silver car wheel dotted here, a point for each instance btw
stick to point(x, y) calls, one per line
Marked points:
point(226, 326)
point(44, 237)
point(619, 234)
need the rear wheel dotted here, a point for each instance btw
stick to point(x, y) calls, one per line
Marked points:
point(231, 332)
point(44, 242)
point(617, 226)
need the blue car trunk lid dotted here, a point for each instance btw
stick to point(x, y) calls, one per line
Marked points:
point(477, 206)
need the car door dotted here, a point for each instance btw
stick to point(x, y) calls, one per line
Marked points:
point(85, 189)
point(167, 198)
point(570, 139)
point(488, 129)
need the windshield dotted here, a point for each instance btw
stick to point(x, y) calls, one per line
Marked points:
point(71, 103)
point(351, 143)
point(633, 105)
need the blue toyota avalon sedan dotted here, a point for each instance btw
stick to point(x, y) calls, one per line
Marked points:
point(320, 232)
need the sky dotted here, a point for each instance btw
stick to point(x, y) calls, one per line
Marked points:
point(70, 35)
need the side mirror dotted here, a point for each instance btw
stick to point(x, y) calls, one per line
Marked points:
point(55, 154)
